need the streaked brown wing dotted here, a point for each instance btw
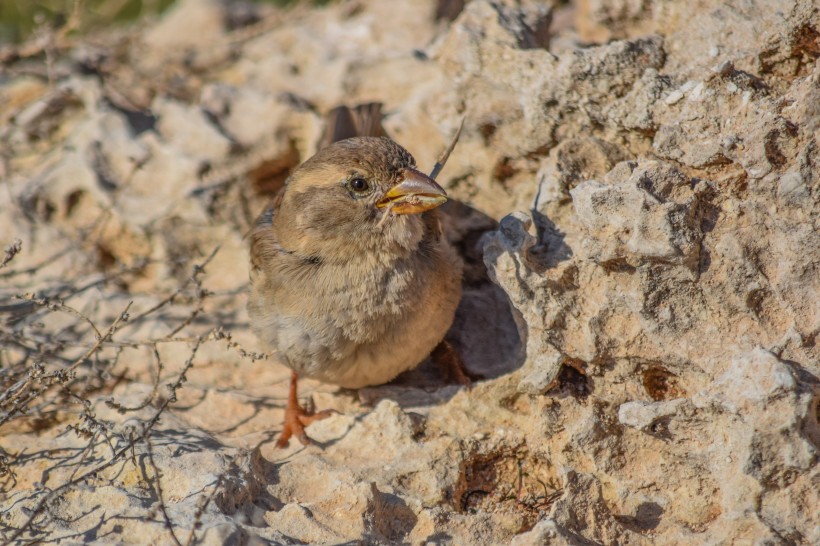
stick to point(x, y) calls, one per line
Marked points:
point(263, 242)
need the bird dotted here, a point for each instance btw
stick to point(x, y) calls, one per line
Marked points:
point(352, 280)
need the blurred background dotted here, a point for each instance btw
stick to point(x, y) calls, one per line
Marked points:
point(19, 19)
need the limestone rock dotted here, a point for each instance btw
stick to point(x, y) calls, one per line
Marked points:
point(638, 210)
point(643, 415)
point(653, 216)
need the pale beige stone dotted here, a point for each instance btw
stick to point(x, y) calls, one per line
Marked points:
point(641, 290)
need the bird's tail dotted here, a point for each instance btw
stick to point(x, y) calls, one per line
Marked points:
point(346, 122)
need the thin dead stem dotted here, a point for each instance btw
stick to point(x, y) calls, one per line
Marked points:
point(49, 379)
point(132, 442)
point(11, 251)
point(445, 155)
point(157, 485)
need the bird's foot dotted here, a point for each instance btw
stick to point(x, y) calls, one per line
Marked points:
point(446, 356)
point(296, 419)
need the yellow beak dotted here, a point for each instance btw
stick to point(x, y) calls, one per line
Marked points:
point(415, 193)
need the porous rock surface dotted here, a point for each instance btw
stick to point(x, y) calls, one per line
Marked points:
point(649, 345)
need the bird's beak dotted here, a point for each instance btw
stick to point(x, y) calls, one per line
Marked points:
point(415, 193)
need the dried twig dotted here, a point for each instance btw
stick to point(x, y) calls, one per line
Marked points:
point(220, 334)
point(132, 442)
point(445, 155)
point(11, 251)
point(121, 318)
point(58, 306)
point(158, 487)
point(148, 399)
point(197, 271)
point(200, 511)
point(24, 391)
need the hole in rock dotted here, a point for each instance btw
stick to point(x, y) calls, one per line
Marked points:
point(572, 380)
point(72, 200)
point(140, 121)
point(754, 300)
point(105, 258)
point(618, 265)
point(661, 384)
point(504, 170)
point(508, 481)
point(817, 411)
point(811, 426)
point(487, 131)
point(448, 10)
point(269, 176)
point(38, 207)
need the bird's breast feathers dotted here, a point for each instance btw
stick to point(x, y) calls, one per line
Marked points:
point(358, 322)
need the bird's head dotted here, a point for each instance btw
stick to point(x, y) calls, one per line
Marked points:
point(363, 193)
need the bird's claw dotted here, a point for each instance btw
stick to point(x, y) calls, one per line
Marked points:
point(448, 358)
point(296, 419)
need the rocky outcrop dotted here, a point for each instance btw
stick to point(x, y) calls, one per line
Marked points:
point(639, 217)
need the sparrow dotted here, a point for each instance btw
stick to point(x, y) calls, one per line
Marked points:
point(352, 281)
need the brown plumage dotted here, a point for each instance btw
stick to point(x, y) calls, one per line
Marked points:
point(352, 281)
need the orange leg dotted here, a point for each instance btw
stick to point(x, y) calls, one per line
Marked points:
point(296, 418)
point(446, 356)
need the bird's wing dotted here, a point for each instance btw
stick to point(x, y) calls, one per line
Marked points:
point(263, 241)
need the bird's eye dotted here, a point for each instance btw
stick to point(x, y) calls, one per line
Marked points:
point(359, 185)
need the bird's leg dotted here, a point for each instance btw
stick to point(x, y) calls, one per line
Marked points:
point(446, 356)
point(296, 418)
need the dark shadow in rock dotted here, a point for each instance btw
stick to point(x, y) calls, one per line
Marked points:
point(571, 382)
point(709, 218)
point(391, 519)
point(802, 374)
point(87, 536)
point(439, 539)
point(483, 333)
point(465, 227)
point(660, 429)
point(647, 517)
point(140, 121)
point(705, 261)
point(531, 27)
point(243, 488)
point(808, 382)
point(551, 248)
point(236, 15)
